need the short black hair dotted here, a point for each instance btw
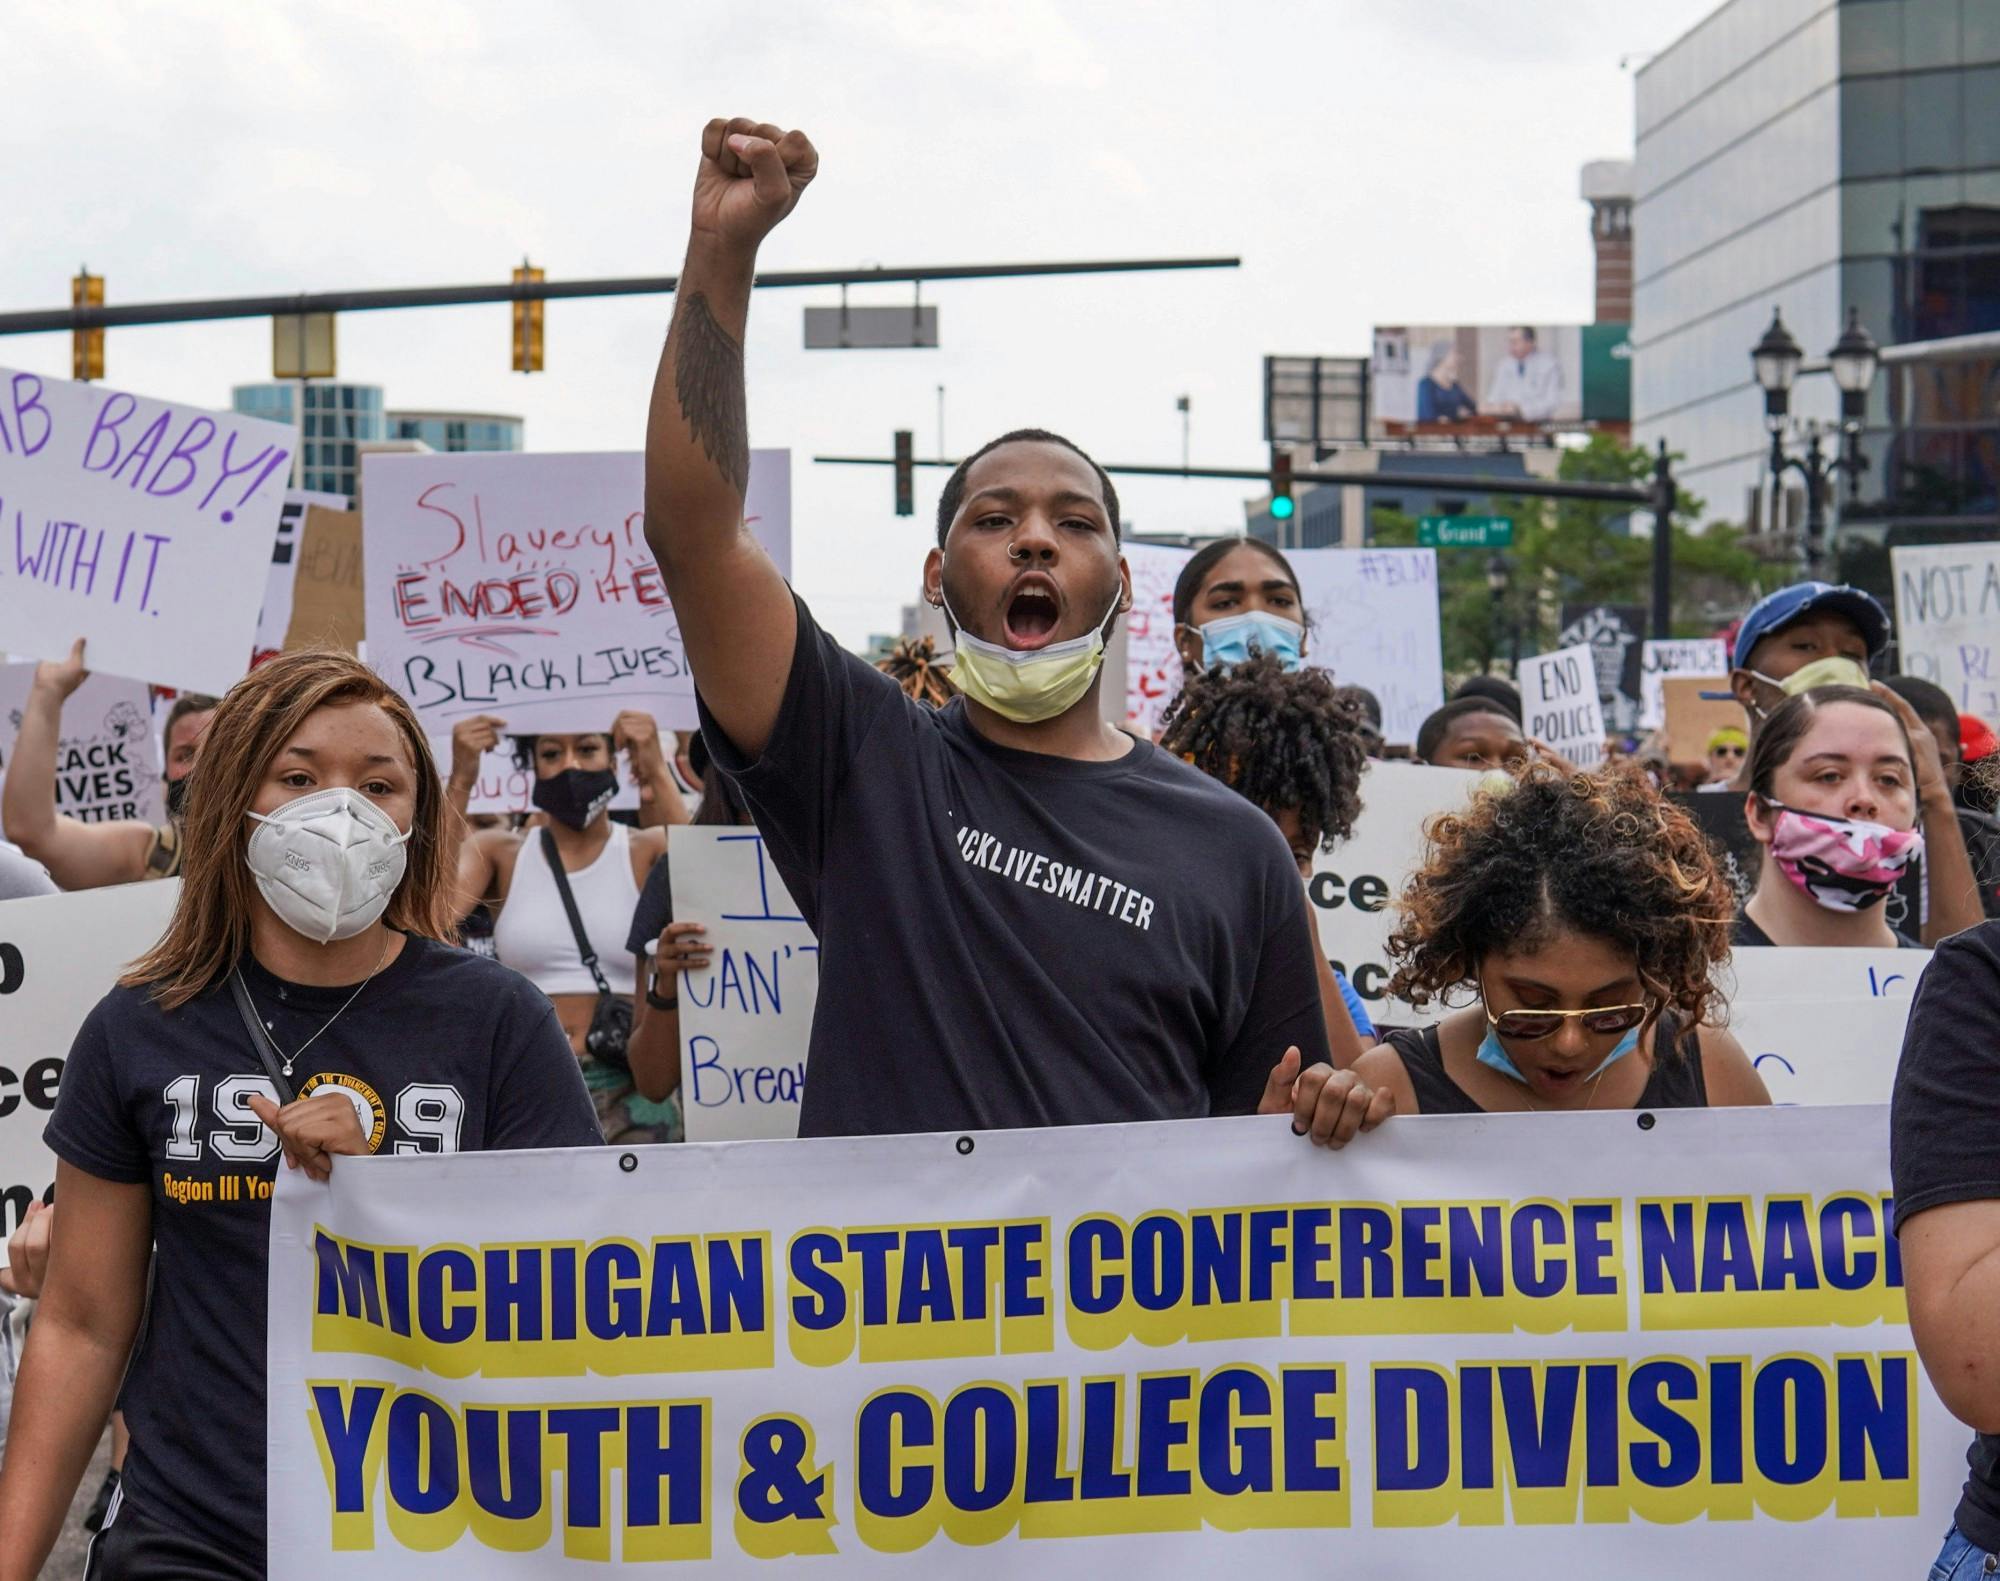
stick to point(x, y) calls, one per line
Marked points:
point(1431, 733)
point(954, 486)
point(1494, 690)
point(1187, 586)
point(1369, 704)
point(1932, 702)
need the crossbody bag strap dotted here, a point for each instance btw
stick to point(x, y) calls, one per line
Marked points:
point(575, 919)
point(260, 1038)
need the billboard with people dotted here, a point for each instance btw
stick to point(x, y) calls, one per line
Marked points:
point(1483, 375)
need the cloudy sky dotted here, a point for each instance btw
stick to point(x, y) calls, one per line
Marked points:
point(1370, 162)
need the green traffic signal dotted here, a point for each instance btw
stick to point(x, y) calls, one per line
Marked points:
point(1282, 507)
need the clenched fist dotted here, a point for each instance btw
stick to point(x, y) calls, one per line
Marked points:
point(750, 178)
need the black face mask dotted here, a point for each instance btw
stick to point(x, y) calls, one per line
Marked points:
point(576, 796)
point(177, 797)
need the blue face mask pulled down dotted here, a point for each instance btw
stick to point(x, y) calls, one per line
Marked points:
point(1493, 1055)
point(1231, 639)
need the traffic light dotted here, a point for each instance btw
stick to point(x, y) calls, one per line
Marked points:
point(528, 323)
point(906, 473)
point(86, 346)
point(1281, 485)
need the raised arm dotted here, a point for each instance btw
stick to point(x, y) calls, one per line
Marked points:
point(637, 734)
point(464, 853)
point(735, 612)
point(77, 855)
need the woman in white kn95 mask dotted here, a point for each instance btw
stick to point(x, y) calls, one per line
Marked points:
point(304, 1003)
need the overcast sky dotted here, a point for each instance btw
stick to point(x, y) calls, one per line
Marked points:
point(1381, 162)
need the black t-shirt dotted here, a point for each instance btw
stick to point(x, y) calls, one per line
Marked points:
point(444, 1052)
point(1748, 933)
point(1010, 939)
point(1944, 1133)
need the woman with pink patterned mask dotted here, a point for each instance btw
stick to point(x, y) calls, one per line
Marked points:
point(1833, 803)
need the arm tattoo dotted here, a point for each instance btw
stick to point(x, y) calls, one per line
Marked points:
point(708, 380)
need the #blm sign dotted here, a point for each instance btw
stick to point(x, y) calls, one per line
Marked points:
point(1560, 705)
point(1948, 620)
point(521, 585)
point(142, 526)
point(107, 758)
point(1375, 624)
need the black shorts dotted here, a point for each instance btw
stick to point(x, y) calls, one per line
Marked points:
point(133, 1547)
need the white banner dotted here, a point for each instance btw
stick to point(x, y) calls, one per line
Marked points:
point(1511, 1346)
point(59, 955)
point(521, 585)
point(140, 525)
point(1560, 706)
point(1375, 624)
point(1948, 620)
point(747, 1017)
point(1662, 657)
point(1152, 662)
point(107, 757)
point(1823, 1026)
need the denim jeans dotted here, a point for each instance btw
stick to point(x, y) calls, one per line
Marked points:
point(1961, 1560)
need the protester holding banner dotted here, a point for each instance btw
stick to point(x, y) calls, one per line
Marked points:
point(1236, 596)
point(1025, 916)
point(1291, 742)
point(1586, 916)
point(82, 855)
point(311, 926)
point(562, 897)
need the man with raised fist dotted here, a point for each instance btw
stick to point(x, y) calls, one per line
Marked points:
point(1026, 916)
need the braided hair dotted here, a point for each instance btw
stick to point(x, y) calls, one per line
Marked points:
point(913, 664)
point(1280, 739)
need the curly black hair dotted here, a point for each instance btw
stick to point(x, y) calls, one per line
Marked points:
point(1281, 740)
point(1603, 854)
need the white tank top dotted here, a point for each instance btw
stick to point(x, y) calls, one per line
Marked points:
point(533, 934)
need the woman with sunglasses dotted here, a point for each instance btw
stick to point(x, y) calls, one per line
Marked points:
point(1586, 917)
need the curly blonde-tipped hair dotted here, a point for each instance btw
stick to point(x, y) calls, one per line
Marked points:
point(210, 929)
point(1603, 854)
point(913, 664)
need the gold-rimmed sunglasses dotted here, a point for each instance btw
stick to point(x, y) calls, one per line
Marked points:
point(1531, 1026)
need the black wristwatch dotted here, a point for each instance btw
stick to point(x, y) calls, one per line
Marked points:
point(653, 998)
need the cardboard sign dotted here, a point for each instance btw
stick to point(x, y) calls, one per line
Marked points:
point(59, 955)
point(746, 1019)
point(1692, 719)
point(1703, 657)
point(1152, 662)
point(1612, 632)
point(1560, 707)
point(139, 525)
point(1375, 624)
point(275, 619)
point(1948, 620)
point(107, 757)
point(1823, 1026)
point(521, 585)
point(327, 590)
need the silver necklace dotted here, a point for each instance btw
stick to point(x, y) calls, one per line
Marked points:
point(286, 1062)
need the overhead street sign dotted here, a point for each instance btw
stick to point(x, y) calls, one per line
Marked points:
point(1465, 532)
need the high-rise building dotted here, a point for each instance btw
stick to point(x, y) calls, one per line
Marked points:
point(1606, 186)
point(1812, 156)
point(458, 431)
point(336, 417)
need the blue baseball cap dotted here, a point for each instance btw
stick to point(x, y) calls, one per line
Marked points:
point(1778, 610)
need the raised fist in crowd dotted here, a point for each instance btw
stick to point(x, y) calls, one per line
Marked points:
point(471, 738)
point(750, 178)
point(63, 676)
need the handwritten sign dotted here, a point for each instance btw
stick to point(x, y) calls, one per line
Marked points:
point(140, 525)
point(1948, 620)
point(503, 786)
point(745, 1018)
point(1375, 624)
point(327, 591)
point(1820, 1025)
point(1560, 706)
point(107, 757)
point(521, 585)
point(59, 955)
point(1152, 662)
point(275, 619)
point(1707, 657)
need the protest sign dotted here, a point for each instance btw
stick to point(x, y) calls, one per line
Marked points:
point(1612, 633)
point(1706, 657)
point(1948, 620)
point(1375, 624)
point(521, 585)
point(326, 591)
point(1693, 717)
point(1823, 1026)
point(1355, 886)
point(1152, 662)
point(139, 525)
point(275, 619)
point(745, 1018)
point(504, 786)
point(1516, 1346)
point(1559, 704)
point(59, 955)
point(107, 758)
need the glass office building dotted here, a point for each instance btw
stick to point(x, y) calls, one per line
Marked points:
point(457, 431)
point(336, 419)
point(1811, 155)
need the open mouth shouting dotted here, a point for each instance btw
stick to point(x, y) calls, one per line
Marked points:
point(1033, 610)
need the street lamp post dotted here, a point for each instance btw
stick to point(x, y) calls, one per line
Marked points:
point(1853, 361)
